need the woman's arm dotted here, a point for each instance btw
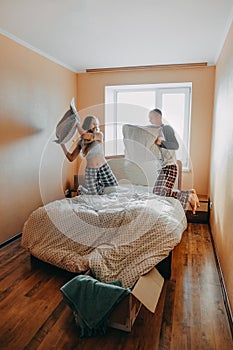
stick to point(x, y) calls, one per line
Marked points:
point(80, 129)
point(90, 137)
point(71, 156)
point(99, 136)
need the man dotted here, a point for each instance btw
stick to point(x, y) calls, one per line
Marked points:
point(165, 181)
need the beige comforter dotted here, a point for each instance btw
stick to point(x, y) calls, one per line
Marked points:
point(119, 236)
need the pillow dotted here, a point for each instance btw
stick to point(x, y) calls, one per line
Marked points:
point(137, 173)
point(66, 127)
point(139, 142)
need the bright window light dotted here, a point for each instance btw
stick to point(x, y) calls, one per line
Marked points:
point(130, 104)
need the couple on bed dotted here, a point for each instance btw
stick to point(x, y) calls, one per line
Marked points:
point(98, 174)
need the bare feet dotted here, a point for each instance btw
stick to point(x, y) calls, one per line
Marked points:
point(193, 200)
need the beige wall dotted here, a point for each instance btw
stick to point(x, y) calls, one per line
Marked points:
point(91, 93)
point(221, 174)
point(33, 94)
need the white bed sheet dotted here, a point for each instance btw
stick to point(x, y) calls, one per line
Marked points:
point(119, 236)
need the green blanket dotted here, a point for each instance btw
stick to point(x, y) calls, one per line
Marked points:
point(92, 301)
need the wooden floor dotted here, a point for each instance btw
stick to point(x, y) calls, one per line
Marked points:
point(190, 313)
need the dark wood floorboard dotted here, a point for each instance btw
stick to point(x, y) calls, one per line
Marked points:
point(190, 313)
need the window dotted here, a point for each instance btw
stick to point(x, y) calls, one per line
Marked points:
point(130, 104)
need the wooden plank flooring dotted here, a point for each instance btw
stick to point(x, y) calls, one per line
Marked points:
point(190, 313)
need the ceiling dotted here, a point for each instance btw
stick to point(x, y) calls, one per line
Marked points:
point(82, 34)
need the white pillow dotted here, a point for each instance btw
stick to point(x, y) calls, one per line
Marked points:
point(136, 173)
point(66, 127)
point(139, 142)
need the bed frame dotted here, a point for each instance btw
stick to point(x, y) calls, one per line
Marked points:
point(164, 266)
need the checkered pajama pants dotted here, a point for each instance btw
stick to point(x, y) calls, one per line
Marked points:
point(165, 182)
point(99, 178)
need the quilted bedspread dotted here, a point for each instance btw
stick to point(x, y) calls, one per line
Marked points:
point(119, 236)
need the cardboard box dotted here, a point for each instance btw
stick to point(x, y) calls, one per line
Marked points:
point(125, 313)
point(147, 292)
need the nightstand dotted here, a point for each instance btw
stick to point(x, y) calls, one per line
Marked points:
point(69, 193)
point(202, 212)
point(72, 192)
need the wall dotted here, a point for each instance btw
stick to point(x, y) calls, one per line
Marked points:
point(221, 174)
point(33, 94)
point(91, 97)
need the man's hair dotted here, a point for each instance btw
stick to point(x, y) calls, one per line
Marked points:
point(156, 110)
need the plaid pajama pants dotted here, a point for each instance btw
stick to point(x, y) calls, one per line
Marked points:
point(99, 178)
point(165, 182)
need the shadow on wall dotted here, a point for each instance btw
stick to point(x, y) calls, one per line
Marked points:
point(11, 131)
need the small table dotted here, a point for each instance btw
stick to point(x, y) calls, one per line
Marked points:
point(69, 193)
point(202, 213)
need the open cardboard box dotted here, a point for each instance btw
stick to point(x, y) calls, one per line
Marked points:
point(146, 291)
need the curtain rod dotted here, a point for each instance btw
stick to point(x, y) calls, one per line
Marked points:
point(156, 67)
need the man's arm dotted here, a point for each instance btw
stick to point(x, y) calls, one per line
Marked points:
point(169, 141)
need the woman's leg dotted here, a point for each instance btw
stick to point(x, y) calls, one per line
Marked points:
point(107, 178)
point(92, 181)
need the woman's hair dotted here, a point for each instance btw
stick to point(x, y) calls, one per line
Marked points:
point(86, 147)
point(87, 122)
point(86, 126)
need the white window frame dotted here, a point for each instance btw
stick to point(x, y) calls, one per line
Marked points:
point(112, 91)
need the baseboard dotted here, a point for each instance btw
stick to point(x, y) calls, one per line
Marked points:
point(223, 286)
point(8, 241)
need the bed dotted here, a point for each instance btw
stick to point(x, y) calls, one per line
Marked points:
point(119, 235)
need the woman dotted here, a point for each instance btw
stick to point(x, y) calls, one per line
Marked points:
point(98, 174)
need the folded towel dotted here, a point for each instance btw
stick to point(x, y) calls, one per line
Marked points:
point(139, 142)
point(92, 301)
point(66, 127)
